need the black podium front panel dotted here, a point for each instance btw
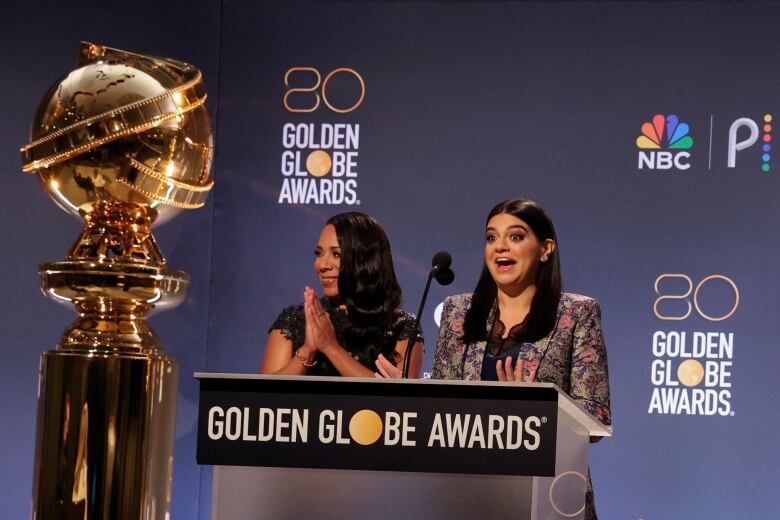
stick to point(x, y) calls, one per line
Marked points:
point(355, 423)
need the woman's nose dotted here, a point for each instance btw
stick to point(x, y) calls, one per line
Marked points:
point(324, 265)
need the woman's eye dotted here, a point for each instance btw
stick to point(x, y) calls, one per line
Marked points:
point(317, 253)
point(516, 237)
point(491, 238)
point(336, 254)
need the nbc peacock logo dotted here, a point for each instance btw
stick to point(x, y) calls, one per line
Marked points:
point(664, 132)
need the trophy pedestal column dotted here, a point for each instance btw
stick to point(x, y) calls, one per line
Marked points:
point(105, 436)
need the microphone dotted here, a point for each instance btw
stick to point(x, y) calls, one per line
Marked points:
point(441, 260)
point(440, 269)
point(445, 277)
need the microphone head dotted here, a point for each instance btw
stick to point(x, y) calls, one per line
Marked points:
point(445, 276)
point(441, 260)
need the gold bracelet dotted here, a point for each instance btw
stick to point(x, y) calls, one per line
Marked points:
point(303, 361)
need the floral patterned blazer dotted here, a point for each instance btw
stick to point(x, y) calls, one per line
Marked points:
point(572, 356)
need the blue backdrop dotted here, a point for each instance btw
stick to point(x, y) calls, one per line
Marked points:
point(618, 117)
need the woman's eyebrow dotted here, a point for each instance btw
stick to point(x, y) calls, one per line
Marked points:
point(513, 226)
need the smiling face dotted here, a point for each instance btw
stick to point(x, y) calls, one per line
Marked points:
point(327, 259)
point(513, 252)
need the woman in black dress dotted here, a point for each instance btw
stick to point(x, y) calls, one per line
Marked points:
point(359, 317)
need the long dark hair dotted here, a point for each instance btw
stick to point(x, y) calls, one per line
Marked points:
point(367, 284)
point(544, 305)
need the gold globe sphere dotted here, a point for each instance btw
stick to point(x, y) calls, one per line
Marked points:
point(125, 129)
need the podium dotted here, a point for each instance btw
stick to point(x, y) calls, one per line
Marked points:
point(287, 447)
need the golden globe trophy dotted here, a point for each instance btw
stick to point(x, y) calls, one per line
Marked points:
point(123, 141)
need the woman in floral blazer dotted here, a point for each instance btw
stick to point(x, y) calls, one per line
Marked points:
point(573, 356)
point(517, 325)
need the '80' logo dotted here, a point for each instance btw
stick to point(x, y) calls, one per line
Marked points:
point(689, 287)
point(319, 90)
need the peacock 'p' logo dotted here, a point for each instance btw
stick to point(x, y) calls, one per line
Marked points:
point(669, 129)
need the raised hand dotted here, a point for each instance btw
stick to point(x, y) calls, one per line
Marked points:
point(523, 371)
point(319, 333)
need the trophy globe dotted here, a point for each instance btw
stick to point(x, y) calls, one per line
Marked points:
point(123, 142)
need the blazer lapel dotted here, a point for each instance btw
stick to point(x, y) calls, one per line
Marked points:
point(472, 364)
point(475, 352)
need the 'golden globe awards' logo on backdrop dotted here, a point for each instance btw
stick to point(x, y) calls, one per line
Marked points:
point(319, 163)
point(691, 369)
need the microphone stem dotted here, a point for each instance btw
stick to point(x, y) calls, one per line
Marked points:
point(416, 327)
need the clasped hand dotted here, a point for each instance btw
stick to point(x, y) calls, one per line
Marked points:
point(386, 369)
point(319, 332)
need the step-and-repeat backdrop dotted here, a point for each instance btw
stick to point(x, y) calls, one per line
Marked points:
point(645, 129)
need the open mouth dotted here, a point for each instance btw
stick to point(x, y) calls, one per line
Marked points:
point(504, 263)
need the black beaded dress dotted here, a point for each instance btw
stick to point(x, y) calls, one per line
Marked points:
point(291, 322)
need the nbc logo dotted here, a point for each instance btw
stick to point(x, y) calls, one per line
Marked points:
point(674, 133)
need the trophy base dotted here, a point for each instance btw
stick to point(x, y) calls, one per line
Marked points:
point(112, 299)
point(87, 281)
